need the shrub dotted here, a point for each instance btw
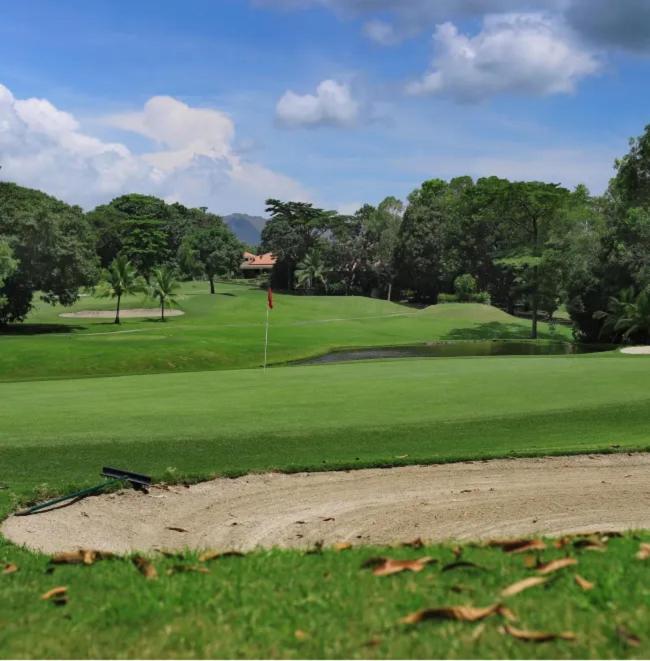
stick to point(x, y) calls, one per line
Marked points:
point(465, 287)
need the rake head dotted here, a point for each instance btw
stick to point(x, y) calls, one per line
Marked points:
point(136, 480)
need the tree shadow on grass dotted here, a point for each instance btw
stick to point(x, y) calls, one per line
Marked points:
point(497, 330)
point(38, 329)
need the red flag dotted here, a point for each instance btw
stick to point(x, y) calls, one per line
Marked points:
point(269, 298)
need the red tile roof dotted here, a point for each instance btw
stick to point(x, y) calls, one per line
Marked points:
point(267, 260)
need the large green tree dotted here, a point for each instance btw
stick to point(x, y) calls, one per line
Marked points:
point(52, 250)
point(217, 251)
point(294, 228)
point(419, 254)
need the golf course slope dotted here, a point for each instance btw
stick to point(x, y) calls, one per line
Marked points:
point(462, 501)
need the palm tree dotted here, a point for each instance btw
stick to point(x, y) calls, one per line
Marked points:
point(310, 271)
point(627, 315)
point(120, 279)
point(163, 286)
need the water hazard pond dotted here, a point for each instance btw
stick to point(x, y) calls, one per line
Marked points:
point(456, 349)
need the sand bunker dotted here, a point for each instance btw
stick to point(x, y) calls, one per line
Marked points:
point(638, 351)
point(462, 501)
point(110, 314)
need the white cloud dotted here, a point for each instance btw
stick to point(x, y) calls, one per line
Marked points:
point(195, 163)
point(515, 53)
point(332, 105)
point(382, 32)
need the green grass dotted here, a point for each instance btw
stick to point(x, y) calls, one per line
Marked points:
point(56, 432)
point(226, 331)
point(251, 607)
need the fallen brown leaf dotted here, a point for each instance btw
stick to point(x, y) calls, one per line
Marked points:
point(416, 543)
point(537, 636)
point(583, 582)
point(556, 565)
point(519, 545)
point(644, 551)
point(561, 542)
point(214, 555)
point(176, 529)
point(81, 556)
point(145, 567)
point(300, 634)
point(54, 594)
point(460, 613)
point(590, 544)
point(390, 566)
point(627, 636)
point(342, 546)
point(9, 568)
point(522, 585)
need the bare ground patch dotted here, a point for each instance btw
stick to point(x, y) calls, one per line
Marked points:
point(462, 501)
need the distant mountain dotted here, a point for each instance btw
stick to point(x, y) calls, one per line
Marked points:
point(247, 228)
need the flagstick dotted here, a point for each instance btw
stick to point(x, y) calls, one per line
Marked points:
point(266, 337)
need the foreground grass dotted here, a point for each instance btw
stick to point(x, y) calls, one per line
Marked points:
point(296, 605)
point(226, 331)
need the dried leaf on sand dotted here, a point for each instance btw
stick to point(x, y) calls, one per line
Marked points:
point(522, 585)
point(537, 636)
point(416, 543)
point(556, 565)
point(81, 556)
point(342, 546)
point(214, 555)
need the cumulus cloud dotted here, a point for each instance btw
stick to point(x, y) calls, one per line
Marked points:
point(332, 105)
point(514, 53)
point(194, 161)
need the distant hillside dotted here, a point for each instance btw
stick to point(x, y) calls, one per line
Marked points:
point(247, 228)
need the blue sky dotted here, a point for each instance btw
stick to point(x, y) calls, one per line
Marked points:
point(340, 102)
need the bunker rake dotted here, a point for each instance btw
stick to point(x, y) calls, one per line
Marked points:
point(113, 476)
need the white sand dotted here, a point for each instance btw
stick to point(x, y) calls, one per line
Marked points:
point(127, 313)
point(463, 501)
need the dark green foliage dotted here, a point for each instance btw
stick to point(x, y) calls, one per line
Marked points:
point(213, 250)
point(292, 231)
point(52, 250)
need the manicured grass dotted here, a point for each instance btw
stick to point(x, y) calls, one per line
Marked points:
point(347, 415)
point(226, 331)
point(294, 605)
point(56, 434)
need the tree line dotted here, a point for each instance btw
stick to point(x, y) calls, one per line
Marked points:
point(527, 247)
point(136, 243)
